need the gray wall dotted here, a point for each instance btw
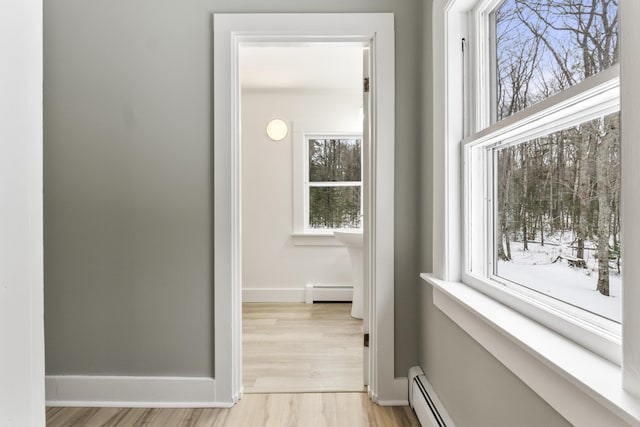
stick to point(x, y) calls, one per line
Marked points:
point(476, 388)
point(128, 200)
point(128, 191)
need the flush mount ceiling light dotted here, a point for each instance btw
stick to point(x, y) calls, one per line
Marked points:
point(277, 130)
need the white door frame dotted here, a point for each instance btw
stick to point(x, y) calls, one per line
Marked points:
point(229, 32)
point(21, 219)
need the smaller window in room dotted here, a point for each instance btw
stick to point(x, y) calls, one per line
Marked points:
point(333, 182)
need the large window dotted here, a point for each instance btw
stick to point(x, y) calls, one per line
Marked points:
point(333, 182)
point(542, 176)
point(535, 231)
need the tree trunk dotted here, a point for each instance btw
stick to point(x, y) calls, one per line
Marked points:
point(524, 232)
point(583, 193)
point(525, 189)
point(604, 210)
point(504, 203)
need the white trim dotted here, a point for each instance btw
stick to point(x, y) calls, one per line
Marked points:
point(22, 357)
point(398, 387)
point(227, 252)
point(629, 13)
point(315, 239)
point(393, 402)
point(593, 97)
point(447, 134)
point(308, 294)
point(131, 392)
point(273, 294)
point(601, 336)
point(582, 387)
point(335, 184)
point(377, 31)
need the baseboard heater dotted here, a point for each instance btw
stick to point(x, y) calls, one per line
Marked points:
point(425, 402)
point(332, 293)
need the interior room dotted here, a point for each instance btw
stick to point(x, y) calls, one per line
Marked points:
point(502, 134)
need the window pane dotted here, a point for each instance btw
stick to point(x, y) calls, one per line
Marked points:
point(334, 207)
point(545, 46)
point(557, 215)
point(332, 160)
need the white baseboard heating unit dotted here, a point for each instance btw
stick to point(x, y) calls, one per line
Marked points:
point(317, 292)
point(425, 402)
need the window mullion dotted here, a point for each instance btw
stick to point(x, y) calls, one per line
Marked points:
point(335, 184)
point(596, 98)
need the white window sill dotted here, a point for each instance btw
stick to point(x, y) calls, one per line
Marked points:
point(584, 388)
point(315, 239)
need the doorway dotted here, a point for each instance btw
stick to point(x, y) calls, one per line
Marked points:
point(230, 32)
point(297, 186)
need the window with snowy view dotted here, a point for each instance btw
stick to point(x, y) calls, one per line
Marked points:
point(556, 195)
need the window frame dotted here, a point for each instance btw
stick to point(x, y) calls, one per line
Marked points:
point(461, 298)
point(301, 230)
point(594, 97)
point(308, 183)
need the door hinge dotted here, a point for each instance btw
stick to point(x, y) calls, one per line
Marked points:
point(366, 84)
point(464, 43)
point(366, 340)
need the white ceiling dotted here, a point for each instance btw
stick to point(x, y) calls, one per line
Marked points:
point(301, 67)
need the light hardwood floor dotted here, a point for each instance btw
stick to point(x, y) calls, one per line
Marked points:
point(287, 347)
point(295, 347)
point(255, 410)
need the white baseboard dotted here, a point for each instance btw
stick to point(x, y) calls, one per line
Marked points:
point(390, 402)
point(132, 392)
point(394, 392)
point(273, 295)
point(309, 294)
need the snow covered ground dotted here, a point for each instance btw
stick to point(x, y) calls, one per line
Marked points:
point(535, 269)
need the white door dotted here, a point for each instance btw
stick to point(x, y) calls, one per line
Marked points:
point(366, 145)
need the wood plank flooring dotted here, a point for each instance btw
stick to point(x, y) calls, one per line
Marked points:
point(255, 410)
point(296, 347)
point(287, 348)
